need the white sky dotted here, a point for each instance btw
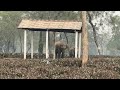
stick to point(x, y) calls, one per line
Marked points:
point(106, 29)
point(117, 13)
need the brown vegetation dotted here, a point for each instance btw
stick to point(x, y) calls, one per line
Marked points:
point(97, 68)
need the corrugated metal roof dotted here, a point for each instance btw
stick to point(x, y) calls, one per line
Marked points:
point(45, 24)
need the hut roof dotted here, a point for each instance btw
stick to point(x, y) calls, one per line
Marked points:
point(45, 24)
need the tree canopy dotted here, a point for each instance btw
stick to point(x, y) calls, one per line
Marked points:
point(102, 31)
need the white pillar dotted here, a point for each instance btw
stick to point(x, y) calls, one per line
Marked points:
point(79, 51)
point(76, 43)
point(32, 44)
point(25, 43)
point(47, 50)
point(54, 47)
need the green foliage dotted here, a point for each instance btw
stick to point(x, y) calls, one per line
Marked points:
point(114, 42)
point(9, 20)
point(10, 36)
point(53, 15)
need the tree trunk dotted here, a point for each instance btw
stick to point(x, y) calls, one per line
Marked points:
point(8, 46)
point(40, 48)
point(84, 39)
point(94, 32)
point(66, 37)
point(66, 40)
point(20, 42)
point(13, 46)
point(49, 39)
point(28, 47)
point(60, 36)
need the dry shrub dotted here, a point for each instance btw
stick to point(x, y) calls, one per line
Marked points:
point(69, 68)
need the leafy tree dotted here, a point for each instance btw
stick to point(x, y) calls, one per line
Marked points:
point(114, 42)
point(8, 27)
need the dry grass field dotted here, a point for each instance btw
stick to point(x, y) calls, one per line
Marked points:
point(98, 67)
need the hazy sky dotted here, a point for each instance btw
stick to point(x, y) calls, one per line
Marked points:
point(117, 13)
point(107, 29)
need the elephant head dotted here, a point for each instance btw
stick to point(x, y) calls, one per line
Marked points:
point(72, 52)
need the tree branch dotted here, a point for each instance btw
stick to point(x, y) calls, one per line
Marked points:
point(94, 31)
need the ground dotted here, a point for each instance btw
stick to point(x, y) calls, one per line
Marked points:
point(98, 67)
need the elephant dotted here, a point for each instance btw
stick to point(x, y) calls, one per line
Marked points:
point(60, 48)
point(72, 52)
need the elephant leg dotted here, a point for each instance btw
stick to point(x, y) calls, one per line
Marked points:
point(70, 53)
point(74, 53)
point(56, 53)
point(59, 53)
point(62, 53)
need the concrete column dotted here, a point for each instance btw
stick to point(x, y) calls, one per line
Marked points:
point(32, 44)
point(25, 43)
point(76, 43)
point(79, 51)
point(47, 49)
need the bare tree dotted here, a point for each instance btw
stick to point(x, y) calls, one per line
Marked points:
point(84, 39)
point(40, 49)
point(94, 31)
point(21, 45)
